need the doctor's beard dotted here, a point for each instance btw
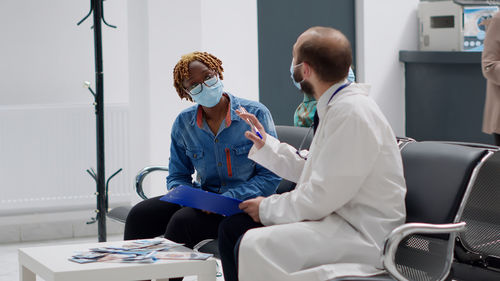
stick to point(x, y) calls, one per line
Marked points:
point(307, 88)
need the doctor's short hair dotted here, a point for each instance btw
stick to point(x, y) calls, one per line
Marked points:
point(328, 52)
point(181, 69)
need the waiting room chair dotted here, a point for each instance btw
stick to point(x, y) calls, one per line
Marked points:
point(477, 251)
point(120, 213)
point(439, 178)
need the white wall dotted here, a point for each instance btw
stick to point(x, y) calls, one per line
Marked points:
point(47, 125)
point(138, 81)
point(383, 28)
point(229, 30)
point(45, 56)
point(44, 59)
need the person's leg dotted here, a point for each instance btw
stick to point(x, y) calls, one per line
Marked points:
point(149, 219)
point(190, 226)
point(230, 231)
point(497, 139)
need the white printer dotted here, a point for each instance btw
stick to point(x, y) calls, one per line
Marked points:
point(447, 26)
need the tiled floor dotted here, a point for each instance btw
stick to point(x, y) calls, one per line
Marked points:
point(9, 268)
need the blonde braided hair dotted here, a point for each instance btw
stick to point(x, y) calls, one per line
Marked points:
point(181, 69)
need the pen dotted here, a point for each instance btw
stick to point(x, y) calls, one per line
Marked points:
point(150, 255)
point(242, 109)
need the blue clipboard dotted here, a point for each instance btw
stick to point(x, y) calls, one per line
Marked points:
point(203, 200)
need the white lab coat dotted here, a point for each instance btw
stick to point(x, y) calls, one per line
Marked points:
point(349, 196)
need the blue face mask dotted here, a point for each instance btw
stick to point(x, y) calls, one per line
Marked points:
point(297, 84)
point(209, 96)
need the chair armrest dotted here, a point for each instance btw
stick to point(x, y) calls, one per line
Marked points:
point(402, 141)
point(476, 145)
point(399, 233)
point(202, 243)
point(142, 175)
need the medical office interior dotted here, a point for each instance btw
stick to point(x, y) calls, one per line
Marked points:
point(424, 71)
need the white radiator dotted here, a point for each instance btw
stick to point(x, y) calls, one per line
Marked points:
point(45, 150)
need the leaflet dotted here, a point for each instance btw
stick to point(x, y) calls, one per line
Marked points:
point(137, 251)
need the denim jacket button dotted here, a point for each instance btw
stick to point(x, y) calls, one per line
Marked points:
point(223, 184)
point(216, 140)
point(219, 164)
point(194, 155)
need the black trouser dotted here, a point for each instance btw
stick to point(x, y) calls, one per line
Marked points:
point(153, 217)
point(497, 139)
point(231, 230)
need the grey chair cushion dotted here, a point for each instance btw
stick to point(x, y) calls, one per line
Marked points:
point(467, 272)
point(211, 247)
point(295, 135)
point(285, 186)
point(437, 175)
point(119, 213)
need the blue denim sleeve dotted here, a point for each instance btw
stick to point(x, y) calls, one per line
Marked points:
point(264, 182)
point(180, 167)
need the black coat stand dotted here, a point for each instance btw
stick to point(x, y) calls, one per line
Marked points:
point(96, 6)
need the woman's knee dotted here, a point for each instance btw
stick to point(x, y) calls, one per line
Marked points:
point(136, 213)
point(184, 216)
point(148, 218)
point(181, 221)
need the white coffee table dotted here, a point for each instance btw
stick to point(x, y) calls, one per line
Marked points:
point(52, 264)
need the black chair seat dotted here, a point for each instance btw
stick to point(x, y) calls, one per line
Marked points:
point(467, 272)
point(211, 247)
point(382, 277)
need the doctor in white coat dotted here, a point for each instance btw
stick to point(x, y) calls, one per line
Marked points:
point(350, 189)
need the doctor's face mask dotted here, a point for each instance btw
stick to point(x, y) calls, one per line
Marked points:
point(294, 76)
point(303, 85)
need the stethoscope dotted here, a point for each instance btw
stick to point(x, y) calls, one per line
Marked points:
point(300, 152)
point(303, 153)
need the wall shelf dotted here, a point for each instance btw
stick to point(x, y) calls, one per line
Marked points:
point(439, 57)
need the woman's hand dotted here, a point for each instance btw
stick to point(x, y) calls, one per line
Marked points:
point(256, 126)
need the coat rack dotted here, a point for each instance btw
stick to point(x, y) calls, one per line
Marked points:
point(96, 6)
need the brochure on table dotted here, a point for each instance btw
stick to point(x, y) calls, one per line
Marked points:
point(138, 251)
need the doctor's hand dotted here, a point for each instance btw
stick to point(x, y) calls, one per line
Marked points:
point(251, 207)
point(256, 127)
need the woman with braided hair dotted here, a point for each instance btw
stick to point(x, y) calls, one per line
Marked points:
point(207, 138)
